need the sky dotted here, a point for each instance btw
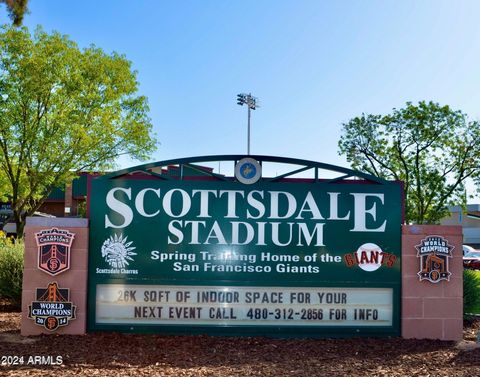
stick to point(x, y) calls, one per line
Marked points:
point(312, 64)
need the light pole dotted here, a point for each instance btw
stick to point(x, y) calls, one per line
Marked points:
point(252, 104)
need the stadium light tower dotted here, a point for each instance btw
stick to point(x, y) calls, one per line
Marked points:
point(252, 104)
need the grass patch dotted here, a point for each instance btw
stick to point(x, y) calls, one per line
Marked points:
point(11, 270)
point(471, 292)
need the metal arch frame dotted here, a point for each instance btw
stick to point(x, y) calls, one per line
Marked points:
point(308, 164)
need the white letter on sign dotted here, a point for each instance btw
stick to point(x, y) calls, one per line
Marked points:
point(140, 199)
point(121, 208)
point(361, 212)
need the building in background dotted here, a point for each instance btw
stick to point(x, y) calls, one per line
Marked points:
point(469, 219)
point(71, 200)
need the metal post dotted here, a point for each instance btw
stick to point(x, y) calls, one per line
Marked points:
point(248, 132)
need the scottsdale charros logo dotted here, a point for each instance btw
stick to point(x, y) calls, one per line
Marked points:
point(369, 257)
point(117, 251)
point(434, 253)
point(248, 171)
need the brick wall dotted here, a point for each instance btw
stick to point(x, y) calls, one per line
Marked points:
point(431, 310)
point(74, 278)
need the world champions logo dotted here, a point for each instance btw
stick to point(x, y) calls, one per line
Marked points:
point(54, 250)
point(52, 308)
point(434, 253)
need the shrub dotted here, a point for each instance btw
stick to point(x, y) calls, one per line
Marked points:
point(471, 292)
point(11, 269)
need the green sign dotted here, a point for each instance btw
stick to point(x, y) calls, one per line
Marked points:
point(273, 258)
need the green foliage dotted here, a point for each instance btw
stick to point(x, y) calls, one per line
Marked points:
point(63, 110)
point(431, 148)
point(16, 10)
point(471, 291)
point(82, 209)
point(11, 269)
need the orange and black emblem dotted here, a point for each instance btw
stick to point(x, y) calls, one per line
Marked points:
point(54, 250)
point(434, 253)
point(52, 308)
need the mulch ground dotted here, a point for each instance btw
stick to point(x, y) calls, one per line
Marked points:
point(112, 354)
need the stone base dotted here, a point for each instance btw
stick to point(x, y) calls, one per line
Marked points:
point(75, 278)
point(431, 310)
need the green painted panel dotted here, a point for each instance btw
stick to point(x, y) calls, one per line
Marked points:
point(79, 186)
point(204, 237)
point(57, 194)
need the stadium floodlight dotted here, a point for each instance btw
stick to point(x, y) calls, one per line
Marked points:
point(252, 104)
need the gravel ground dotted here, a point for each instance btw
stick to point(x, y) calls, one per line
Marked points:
point(112, 354)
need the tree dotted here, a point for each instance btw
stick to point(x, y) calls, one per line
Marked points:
point(63, 110)
point(431, 148)
point(16, 10)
